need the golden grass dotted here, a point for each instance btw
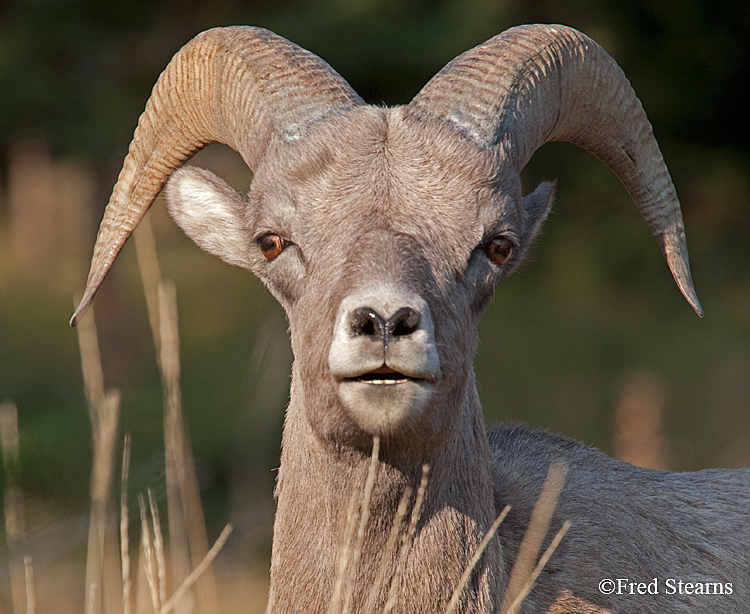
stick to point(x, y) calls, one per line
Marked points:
point(389, 550)
point(532, 540)
point(102, 574)
point(15, 518)
point(108, 578)
point(125, 529)
point(358, 513)
point(108, 584)
point(466, 576)
point(189, 540)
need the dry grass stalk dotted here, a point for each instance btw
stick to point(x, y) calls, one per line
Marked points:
point(188, 538)
point(104, 411)
point(142, 590)
point(637, 422)
point(124, 528)
point(161, 305)
point(522, 578)
point(28, 568)
point(33, 215)
point(48, 209)
point(15, 517)
point(458, 591)
point(346, 544)
point(148, 265)
point(179, 555)
point(526, 589)
point(149, 557)
point(535, 533)
point(91, 592)
point(364, 515)
point(103, 481)
point(91, 363)
point(199, 570)
point(182, 486)
point(161, 561)
point(389, 550)
point(97, 565)
point(407, 540)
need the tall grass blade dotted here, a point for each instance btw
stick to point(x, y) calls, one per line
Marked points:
point(104, 411)
point(91, 363)
point(390, 548)
point(407, 541)
point(199, 570)
point(149, 557)
point(535, 533)
point(15, 517)
point(453, 603)
point(148, 266)
point(124, 529)
point(188, 538)
point(526, 589)
point(364, 515)
point(161, 561)
point(28, 568)
point(347, 541)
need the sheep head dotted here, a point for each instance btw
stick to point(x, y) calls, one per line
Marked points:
point(369, 232)
point(382, 232)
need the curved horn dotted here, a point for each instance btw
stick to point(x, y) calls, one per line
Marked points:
point(236, 86)
point(535, 84)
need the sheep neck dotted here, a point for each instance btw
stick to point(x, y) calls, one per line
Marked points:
point(315, 485)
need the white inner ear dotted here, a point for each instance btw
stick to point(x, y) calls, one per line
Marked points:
point(210, 212)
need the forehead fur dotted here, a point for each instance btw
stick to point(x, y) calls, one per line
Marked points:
point(373, 168)
point(426, 155)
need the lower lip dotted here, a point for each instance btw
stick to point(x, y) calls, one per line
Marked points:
point(380, 406)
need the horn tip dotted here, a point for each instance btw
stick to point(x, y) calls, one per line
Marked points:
point(678, 264)
point(692, 298)
point(82, 308)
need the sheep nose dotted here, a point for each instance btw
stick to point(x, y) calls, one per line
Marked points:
point(368, 322)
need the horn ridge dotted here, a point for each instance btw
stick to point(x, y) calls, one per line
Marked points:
point(238, 86)
point(539, 83)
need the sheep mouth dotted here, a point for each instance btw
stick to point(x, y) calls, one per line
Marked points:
point(383, 377)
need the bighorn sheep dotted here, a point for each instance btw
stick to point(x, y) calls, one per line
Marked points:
point(383, 233)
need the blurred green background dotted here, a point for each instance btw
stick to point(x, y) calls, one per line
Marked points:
point(594, 309)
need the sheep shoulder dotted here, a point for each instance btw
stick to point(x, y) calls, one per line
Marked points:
point(627, 523)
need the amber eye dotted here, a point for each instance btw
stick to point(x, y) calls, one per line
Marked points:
point(271, 245)
point(499, 249)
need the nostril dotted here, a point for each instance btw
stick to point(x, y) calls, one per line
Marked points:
point(404, 322)
point(366, 321)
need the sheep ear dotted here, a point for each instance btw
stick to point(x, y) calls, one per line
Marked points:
point(210, 212)
point(536, 207)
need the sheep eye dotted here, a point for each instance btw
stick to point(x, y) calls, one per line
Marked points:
point(499, 250)
point(271, 245)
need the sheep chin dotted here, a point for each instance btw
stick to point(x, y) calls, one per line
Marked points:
point(385, 408)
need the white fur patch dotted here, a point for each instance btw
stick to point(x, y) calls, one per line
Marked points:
point(210, 212)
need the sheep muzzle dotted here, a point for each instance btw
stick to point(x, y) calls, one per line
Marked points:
point(383, 358)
